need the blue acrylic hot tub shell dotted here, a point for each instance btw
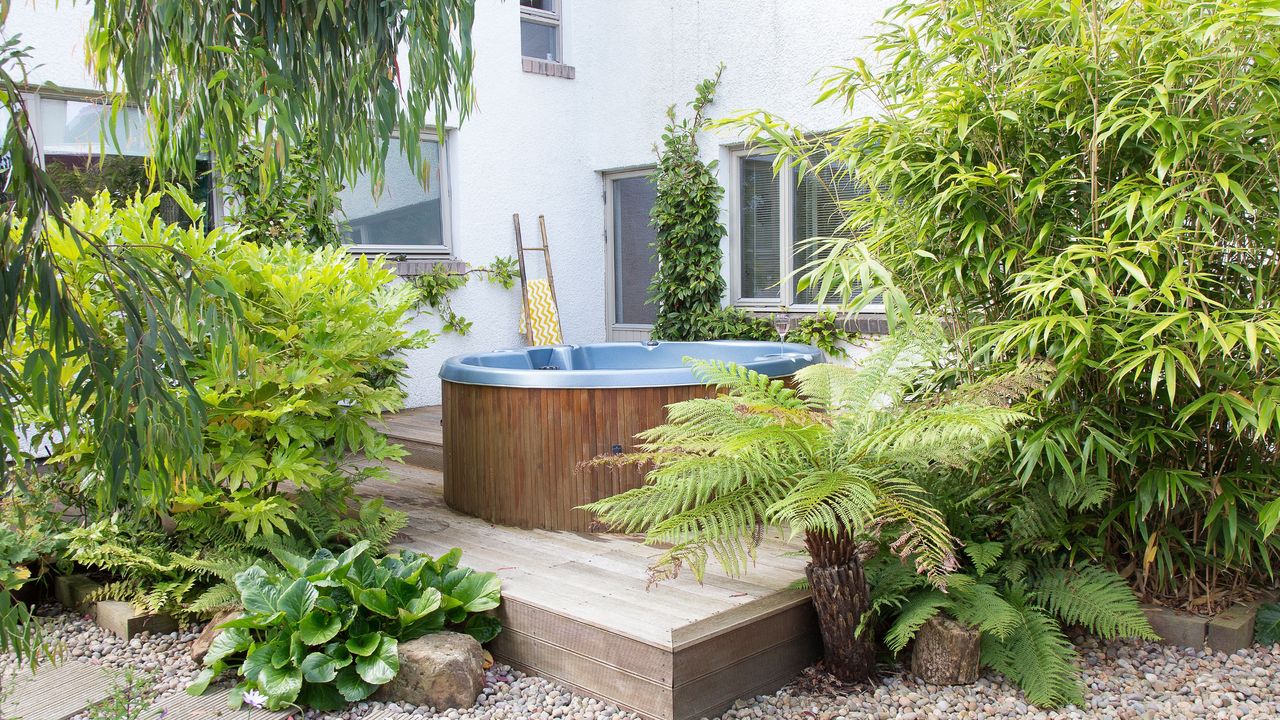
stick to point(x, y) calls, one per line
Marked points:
point(624, 364)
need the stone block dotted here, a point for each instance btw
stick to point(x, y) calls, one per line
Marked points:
point(443, 670)
point(1232, 629)
point(1176, 627)
point(200, 647)
point(125, 621)
point(71, 590)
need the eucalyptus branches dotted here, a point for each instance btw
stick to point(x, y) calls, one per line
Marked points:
point(212, 74)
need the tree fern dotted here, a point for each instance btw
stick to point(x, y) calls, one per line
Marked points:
point(837, 461)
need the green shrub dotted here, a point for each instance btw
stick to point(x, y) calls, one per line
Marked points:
point(325, 632)
point(1093, 184)
point(300, 206)
point(312, 350)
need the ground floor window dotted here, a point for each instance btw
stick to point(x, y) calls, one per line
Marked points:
point(773, 215)
point(407, 213)
point(87, 147)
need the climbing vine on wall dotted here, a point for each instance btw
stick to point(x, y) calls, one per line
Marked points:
point(687, 285)
point(434, 289)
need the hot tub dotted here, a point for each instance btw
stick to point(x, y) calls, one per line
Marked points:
point(518, 424)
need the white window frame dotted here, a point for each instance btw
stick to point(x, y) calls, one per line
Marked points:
point(551, 18)
point(787, 185)
point(446, 210)
point(617, 330)
point(34, 97)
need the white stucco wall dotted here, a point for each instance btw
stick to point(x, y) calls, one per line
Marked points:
point(537, 145)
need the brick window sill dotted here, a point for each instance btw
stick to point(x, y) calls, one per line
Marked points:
point(548, 68)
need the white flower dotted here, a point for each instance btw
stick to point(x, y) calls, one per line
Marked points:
point(254, 699)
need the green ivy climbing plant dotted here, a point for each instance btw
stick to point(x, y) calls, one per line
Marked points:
point(687, 285)
point(434, 289)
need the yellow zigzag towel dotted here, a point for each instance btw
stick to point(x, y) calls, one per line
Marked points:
point(546, 318)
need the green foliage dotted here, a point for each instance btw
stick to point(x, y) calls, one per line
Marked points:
point(731, 323)
point(131, 697)
point(841, 456)
point(1266, 628)
point(289, 386)
point(299, 207)
point(354, 75)
point(825, 331)
point(1020, 618)
point(325, 631)
point(687, 284)
point(1093, 184)
point(434, 288)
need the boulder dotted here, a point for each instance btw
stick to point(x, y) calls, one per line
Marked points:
point(200, 647)
point(443, 670)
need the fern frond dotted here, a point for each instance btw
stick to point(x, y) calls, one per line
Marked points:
point(1094, 597)
point(984, 555)
point(914, 614)
point(980, 605)
point(223, 596)
point(746, 384)
point(1037, 657)
point(827, 502)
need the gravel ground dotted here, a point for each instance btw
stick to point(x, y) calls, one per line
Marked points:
point(1122, 680)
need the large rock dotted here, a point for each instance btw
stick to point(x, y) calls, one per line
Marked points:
point(443, 670)
point(200, 647)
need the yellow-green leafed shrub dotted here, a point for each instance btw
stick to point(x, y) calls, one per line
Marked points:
point(309, 349)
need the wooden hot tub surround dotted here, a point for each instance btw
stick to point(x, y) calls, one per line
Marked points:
point(514, 456)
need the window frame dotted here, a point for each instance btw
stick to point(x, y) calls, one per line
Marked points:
point(444, 251)
point(34, 97)
point(611, 249)
point(788, 183)
point(550, 18)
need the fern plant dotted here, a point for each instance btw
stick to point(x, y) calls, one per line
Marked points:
point(836, 461)
point(1020, 613)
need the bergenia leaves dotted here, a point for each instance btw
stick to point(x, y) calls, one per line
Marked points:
point(327, 631)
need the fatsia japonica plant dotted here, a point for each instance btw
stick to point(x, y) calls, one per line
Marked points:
point(326, 631)
point(1094, 183)
point(310, 351)
point(837, 461)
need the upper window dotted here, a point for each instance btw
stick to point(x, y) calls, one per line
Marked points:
point(540, 30)
point(775, 214)
point(87, 147)
point(407, 215)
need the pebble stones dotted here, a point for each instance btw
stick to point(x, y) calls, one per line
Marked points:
point(1122, 680)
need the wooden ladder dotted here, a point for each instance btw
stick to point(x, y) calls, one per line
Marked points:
point(521, 249)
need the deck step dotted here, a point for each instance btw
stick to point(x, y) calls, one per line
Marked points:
point(212, 705)
point(55, 692)
point(419, 431)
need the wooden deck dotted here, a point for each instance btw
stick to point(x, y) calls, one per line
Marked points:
point(420, 432)
point(576, 610)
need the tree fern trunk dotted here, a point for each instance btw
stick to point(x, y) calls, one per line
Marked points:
point(841, 597)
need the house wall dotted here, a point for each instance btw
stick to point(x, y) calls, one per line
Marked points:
point(538, 145)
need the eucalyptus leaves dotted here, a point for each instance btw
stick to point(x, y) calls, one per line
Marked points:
point(326, 632)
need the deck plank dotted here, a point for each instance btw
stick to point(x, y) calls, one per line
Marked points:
point(55, 692)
